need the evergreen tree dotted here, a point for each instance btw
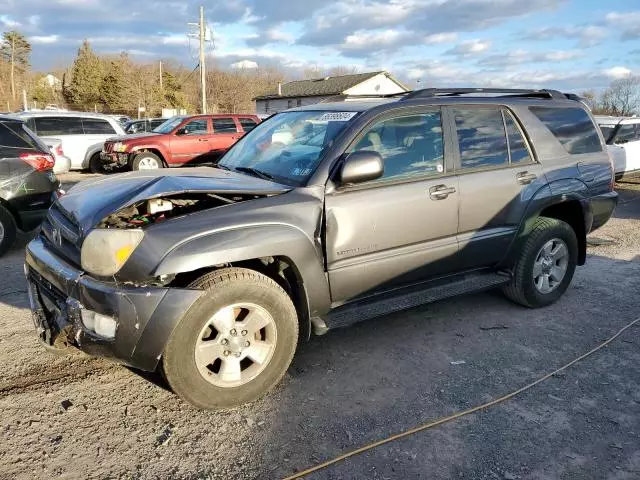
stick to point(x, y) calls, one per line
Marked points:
point(84, 89)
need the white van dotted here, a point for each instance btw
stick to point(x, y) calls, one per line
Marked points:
point(82, 134)
point(622, 135)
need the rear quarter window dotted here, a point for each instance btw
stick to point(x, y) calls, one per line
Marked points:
point(52, 126)
point(572, 127)
point(97, 126)
point(17, 135)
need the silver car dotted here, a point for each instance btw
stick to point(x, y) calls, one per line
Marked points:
point(63, 163)
point(82, 134)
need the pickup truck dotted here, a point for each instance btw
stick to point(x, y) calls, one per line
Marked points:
point(320, 217)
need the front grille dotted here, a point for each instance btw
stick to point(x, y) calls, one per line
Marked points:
point(108, 147)
point(62, 234)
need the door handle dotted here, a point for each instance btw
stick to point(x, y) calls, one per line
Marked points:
point(525, 178)
point(203, 139)
point(440, 192)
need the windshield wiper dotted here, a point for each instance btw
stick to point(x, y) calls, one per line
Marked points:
point(221, 167)
point(255, 172)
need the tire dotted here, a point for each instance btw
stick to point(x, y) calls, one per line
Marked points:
point(146, 161)
point(8, 230)
point(95, 164)
point(523, 289)
point(198, 382)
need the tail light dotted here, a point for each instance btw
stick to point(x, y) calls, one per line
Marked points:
point(39, 161)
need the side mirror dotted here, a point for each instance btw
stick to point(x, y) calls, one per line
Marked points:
point(361, 166)
point(181, 131)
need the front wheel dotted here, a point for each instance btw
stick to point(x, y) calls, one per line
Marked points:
point(95, 164)
point(546, 264)
point(235, 343)
point(8, 230)
point(147, 161)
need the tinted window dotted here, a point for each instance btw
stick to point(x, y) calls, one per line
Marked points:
point(196, 127)
point(607, 130)
point(224, 125)
point(156, 123)
point(572, 127)
point(627, 133)
point(481, 137)
point(517, 144)
point(410, 146)
point(50, 126)
point(248, 124)
point(96, 126)
point(15, 135)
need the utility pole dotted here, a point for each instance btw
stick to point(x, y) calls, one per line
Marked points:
point(161, 75)
point(203, 69)
point(202, 34)
point(25, 105)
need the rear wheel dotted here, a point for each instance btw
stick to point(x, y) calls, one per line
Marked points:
point(546, 265)
point(235, 343)
point(95, 164)
point(147, 161)
point(8, 230)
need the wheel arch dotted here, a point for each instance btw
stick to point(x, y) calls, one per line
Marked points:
point(155, 150)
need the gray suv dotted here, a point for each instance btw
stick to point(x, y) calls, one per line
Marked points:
point(320, 217)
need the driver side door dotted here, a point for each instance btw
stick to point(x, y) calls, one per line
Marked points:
point(400, 229)
point(192, 142)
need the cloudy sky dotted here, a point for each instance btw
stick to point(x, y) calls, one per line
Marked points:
point(571, 44)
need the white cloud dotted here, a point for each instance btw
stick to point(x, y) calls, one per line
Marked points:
point(628, 22)
point(469, 48)
point(8, 22)
point(367, 40)
point(617, 72)
point(44, 40)
point(244, 64)
point(587, 35)
point(440, 38)
point(521, 56)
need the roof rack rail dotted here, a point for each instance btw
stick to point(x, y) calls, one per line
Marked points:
point(506, 92)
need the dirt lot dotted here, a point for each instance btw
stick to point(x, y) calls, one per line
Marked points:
point(75, 417)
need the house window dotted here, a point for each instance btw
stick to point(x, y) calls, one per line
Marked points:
point(266, 106)
point(299, 102)
point(290, 103)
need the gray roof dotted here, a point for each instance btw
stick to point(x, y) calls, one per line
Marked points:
point(317, 87)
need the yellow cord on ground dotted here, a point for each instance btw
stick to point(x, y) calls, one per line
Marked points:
point(442, 420)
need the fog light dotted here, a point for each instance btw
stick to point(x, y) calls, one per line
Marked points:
point(102, 325)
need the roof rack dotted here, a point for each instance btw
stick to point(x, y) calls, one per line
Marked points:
point(505, 92)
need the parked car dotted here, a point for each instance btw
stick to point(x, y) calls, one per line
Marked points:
point(62, 162)
point(178, 141)
point(622, 135)
point(28, 185)
point(213, 274)
point(82, 134)
point(144, 125)
point(121, 119)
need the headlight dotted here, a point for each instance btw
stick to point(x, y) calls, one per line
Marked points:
point(119, 147)
point(105, 251)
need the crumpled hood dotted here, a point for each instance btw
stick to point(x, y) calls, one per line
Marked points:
point(91, 201)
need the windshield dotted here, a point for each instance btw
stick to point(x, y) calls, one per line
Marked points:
point(607, 130)
point(288, 147)
point(169, 125)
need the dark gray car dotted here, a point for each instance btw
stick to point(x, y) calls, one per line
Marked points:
point(320, 217)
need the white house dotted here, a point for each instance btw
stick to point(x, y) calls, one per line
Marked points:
point(308, 92)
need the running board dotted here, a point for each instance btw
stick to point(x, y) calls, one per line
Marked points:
point(362, 310)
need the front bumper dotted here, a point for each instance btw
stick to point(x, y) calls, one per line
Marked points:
point(114, 159)
point(145, 316)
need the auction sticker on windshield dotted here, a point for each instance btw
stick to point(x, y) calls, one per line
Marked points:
point(337, 116)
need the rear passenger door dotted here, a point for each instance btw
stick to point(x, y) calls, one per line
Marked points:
point(628, 138)
point(498, 175)
point(225, 134)
point(96, 130)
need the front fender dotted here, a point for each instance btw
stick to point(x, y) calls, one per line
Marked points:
point(91, 151)
point(137, 148)
point(250, 242)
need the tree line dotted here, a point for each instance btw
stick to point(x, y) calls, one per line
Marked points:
point(118, 84)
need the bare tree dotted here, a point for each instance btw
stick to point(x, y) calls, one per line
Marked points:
point(622, 97)
point(15, 50)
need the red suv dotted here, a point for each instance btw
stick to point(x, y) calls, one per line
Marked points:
point(178, 141)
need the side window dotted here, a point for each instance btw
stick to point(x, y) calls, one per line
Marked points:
point(517, 145)
point(248, 124)
point(572, 127)
point(481, 137)
point(156, 123)
point(627, 133)
point(197, 127)
point(49, 126)
point(224, 125)
point(96, 126)
point(9, 137)
point(410, 146)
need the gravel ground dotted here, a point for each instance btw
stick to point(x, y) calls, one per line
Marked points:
point(76, 417)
